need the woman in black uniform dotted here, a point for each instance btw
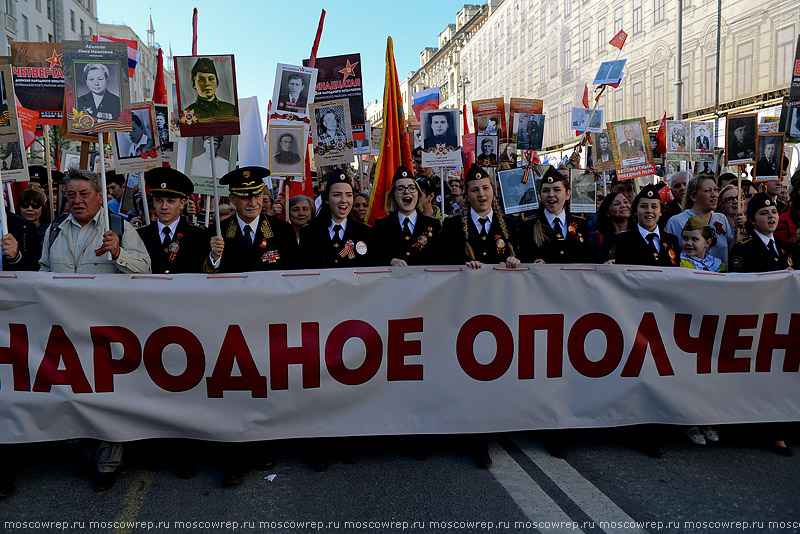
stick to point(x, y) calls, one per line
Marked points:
point(479, 234)
point(406, 236)
point(552, 234)
point(645, 244)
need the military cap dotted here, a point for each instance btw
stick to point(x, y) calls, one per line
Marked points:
point(245, 182)
point(737, 122)
point(649, 192)
point(402, 172)
point(168, 182)
point(475, 172)
point(38, 174)
point(759, 200)
point(416, 152)
point(204, 65)
point(553, 175)
point(336, 176)
point(695, 222)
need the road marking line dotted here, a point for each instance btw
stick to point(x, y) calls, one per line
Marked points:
point(531, 499)
point(594, 503)
point(133, 502)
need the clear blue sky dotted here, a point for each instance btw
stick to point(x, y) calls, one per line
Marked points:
point(263, 33)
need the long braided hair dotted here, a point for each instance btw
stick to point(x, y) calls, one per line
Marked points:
point(465, 207)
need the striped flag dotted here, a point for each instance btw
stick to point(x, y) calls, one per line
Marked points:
point(425, 99)
point(133, 50)
point(395, 150)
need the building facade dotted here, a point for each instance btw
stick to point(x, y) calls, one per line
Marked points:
point(549, 49)
point(48, 21)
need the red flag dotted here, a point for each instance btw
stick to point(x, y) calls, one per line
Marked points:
point(585, 100)
point(662, 135)
point(467, 155)
point(160, 88)
point(27, 119)
point(312, 60)
point(395, 150)
point(619, 39)
point(194, 32)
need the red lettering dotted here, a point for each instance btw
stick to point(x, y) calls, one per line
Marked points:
point(465, 343)
point(528, 325)
point(234, 349)
point(105, 367)
point(702, 345)
point(577, 338)
point(769, 341)
point(397, 348)
point(732, 341)
point(16, 354)
point(335, 344)
point(281, 356)
point(59, 348)
point(195, 358)
point(647, 336)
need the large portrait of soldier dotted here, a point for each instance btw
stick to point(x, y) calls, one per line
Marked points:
point(286, 149)
point(207, 97)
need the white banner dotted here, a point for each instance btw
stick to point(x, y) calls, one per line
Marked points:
point(402, 351)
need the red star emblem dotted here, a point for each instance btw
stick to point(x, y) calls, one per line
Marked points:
point(55, 60)
point(349, 70)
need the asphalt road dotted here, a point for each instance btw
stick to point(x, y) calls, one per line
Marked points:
point(605, 485)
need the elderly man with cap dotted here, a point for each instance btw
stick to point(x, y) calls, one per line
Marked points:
point(78, 243)
point(174, 245)
point(205, 82)
point(251, 241)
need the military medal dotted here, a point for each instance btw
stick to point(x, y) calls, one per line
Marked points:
point(263, 243)
point(361, 248)
point(173, 247)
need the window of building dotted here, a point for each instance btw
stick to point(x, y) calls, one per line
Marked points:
point(601, 34)
point(567, 8)
point(71, 20)
point(637, 100)
point(637, 16)
point(39, 6)
point(49, 9)
point(785, 56)
point(49, 38)
point(567, 55)
point(686, 88)
point(82, 28)
point(658, 94)
point(542, 70)
point(566, 113)
point(744, 68)
point(658, 11)
point(619, 109)
point(711, 79)
point(617, 20)
point(586, 46)
point(543, 24)
point(25, 33)
point(39, 34)
point(553, 61)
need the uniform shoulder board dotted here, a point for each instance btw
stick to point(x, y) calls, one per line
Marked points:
point(578, 216)
point(746, 240)
point(531, 218)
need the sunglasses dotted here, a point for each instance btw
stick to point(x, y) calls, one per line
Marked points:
point(26, 204)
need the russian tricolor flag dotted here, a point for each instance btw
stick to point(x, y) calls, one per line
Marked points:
point(133, 50)
point(425, 99)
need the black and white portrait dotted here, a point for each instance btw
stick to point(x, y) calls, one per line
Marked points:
point(162, 127)
point(200, 165)
point(139, 139)
point(4, 118)
point(483, 122)
point(294, 90)
point(286, 150)
point(602, 154)
point(530, 131)
point(518, 196)
point(331, 131)
point(676, 137)
point(486, 145)
point(375, 134)
point(440, 127)
point(584, 191)
point(790, 122)
point(97, 89)
point(740, 137)
point(10, 156)
point(508, 154)
point(769, 162)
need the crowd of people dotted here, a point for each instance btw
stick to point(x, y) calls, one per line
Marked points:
point(699, 222)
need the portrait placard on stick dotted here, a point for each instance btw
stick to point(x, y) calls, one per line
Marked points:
point(39, 79)
point(790, 120)
point(769, 161)
point(740, 136)
point(490, 110)
point(96, 94)
point(174, 113)
point(602, 153)
point(139, 149)
point(528, 130)
point(523, 105)
point(294, 90)
point(631, 151)
point(678, 133)
point(287, 149)
point(584, 191)
point(610, 72)
point(207, 96)
point(13, 161)
point(440, 138)
point(518, 196)
point(198, 161)
point(700, 142)
point(581, 120)
point(486, 144)
point(340, 77)
point(162, 133)
point(332, 132)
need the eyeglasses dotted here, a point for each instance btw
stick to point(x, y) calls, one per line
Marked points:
point(26, 204)
point(729, 200)
point(403, 189)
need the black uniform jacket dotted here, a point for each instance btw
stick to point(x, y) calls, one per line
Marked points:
point(274, 247)
point(419, 249)
point(633, 249)
point(573, 248)
point(317, 251)
point(189, 249)
point(751, 255)
point(28, 243)
point(493, 248)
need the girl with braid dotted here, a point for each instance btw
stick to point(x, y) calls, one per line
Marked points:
point(478, 234)
point(552, 234)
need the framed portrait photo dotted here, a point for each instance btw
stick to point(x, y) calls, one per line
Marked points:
point(740, 139)
point(139, 149)
point(332, 132)
point(529, 130)
point(197, 164)
point(294, 90)
point(207, 97)
point(287, 149)
point(441, 139)
point(769, 157)
point(486, 144)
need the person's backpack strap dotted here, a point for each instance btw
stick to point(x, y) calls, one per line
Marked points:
point(55, 228)
point(115, 223)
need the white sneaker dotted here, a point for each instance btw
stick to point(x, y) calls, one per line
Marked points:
point(709, 433)
point(696, 436)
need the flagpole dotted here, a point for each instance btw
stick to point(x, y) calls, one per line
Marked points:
point(49, 164)
point(106, 223)
point(3, 211)
point(214, 188)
